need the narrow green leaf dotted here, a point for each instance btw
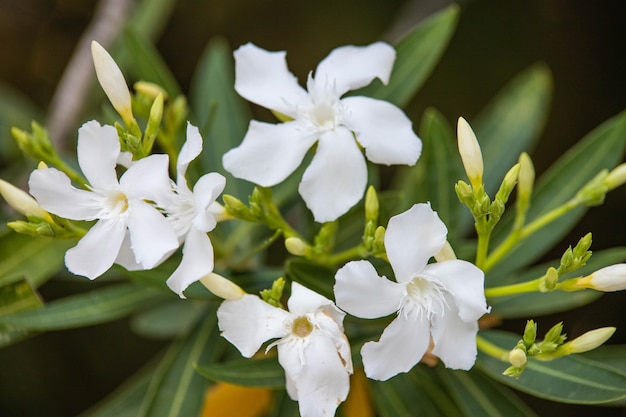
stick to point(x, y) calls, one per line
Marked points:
point(512, 122)
point(571, 379)
point(15, 297)
point(220, 113)
point(479, 396)
point(283, 405)
point(94, 307)
point(168, 320)
point(146, 64)
point(176, 389)
point(610, 355)
point(318, 278)
point(37, 259)
point(149, 17)
point(264, 373)
point(417, 55)
point(539, 304)
point(601, 149)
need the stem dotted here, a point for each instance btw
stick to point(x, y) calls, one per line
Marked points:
point(515, 237)
point(346, 255)
point(513, 289)
point(482, 248)
point(492, 350)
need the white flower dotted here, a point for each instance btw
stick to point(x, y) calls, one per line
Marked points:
point(443, 300)
point(336, 178)
point(120, 207)
point(311, 345)
point(192, 214)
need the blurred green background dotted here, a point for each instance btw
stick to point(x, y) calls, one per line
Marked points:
point(582, 42)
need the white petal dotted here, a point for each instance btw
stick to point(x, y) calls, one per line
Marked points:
point(190, 150)
point(322, 382)
point(197, 262)
point(401, 346)
point(383, 130)
point(465, 282)
point(269, 153)
point(455, 340)
point(336, 179)
point(263, 78)
point(249, 321)
point(351, 67)
point(54, 192)
point(412, 238)
point(98, 150)
point(361, 292)
point(303, 301)
point(148, 179)
point(205, 192)
point(151, 236)
point(126, 257)
point(96, 251)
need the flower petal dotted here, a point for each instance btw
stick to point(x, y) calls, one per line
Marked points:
point(269, 153)
point(303, 301)
point(412, 238)
point(151, 236)
point(249, 321)
point(197, 262)
point(361, 292)
point(205, 192)
point(401, 346)
point(455, 340)
point(322, 382)
point(465, 282)
point(350, 67)
point(383, 130)
point(190, 150)
point(148, 179)
point(336, 179)
point(54, 192)
point(263, 78)
point(98, 150)
point(96, 251)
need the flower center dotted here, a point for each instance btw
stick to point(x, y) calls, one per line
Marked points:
point(116, 203)
point(323, 115)
point(424, 297)
point(302, 327)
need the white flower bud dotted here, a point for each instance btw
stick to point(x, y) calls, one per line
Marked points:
point(590, 340)
point(112, 81)
point(517, 358)
point(446, 253)
point(469, 149)
point(296, 246)
point(616, 177)
point(22, 202)
point(222, 287)
point(610, 278)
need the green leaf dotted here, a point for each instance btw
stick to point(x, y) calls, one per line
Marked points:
point(539, 304)
point(146, 64)
point(479, 396)
point(417, 55)
point(264, 373)
point(176, 389)
point(571, 379)
point(283, 406)
point(149, 17)
point(169, 320)
point(220, 113)
point(613, 356)
point(15, 297)
point(512, 122)
point(37, 259)
point(94, 307)
point(600, 149)
point(315, 277)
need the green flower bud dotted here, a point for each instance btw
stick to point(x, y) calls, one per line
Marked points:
point(371, 205)
point(530, 333)
point(616, 177)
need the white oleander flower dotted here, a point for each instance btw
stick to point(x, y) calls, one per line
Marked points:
point(337, 176)
point(193, 215)
point(312, 348)
point(442, 300)
point(122, 207)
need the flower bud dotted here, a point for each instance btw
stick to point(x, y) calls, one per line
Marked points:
point(112, 81)
point(446, 253)
point(607, 279)
point(22, 202)
point(530, 333)
point(222, 287)
point(149, 89)
point(469, 149)
point(590, 340)
point(371, 204)
point(296, 246)
point(616, 177)
point(517, 358)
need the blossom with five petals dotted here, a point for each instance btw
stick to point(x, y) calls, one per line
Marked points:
point(121, 206)
point(312, 348)
point(443, 300)
point(192, 214)
point(337, 176)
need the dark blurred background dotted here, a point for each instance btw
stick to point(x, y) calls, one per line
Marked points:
point(582, 42)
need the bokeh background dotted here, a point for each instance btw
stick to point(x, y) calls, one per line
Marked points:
point(582, 42)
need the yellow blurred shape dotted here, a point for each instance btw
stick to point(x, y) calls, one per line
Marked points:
point(227, 400)
point(358, 403)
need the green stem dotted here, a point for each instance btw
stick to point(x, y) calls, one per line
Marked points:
point(346, 255)
point(516, 236)
point(482, 248)
point(513, 289)
point(492, 350)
